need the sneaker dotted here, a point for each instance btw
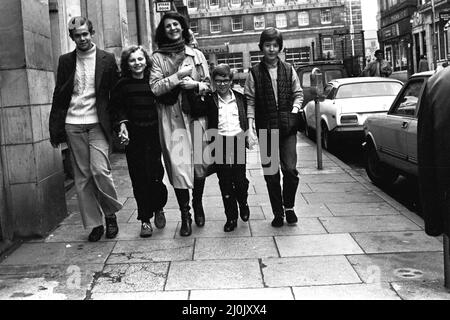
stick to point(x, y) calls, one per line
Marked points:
point(146, 230)
point(291, 218)
point(160, 219)
point(277, 221)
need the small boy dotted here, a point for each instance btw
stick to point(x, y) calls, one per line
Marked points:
point(274, 98)
point(227, 112)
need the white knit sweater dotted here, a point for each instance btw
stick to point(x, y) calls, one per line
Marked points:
point(82, 108)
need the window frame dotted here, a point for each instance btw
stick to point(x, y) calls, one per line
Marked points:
point(298, 18)
point(263, 22)
point(284, 15)
point(211, 25)
point(322, 15)
point(233, 24)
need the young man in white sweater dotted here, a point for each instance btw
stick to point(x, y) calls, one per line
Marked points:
point(79, 117)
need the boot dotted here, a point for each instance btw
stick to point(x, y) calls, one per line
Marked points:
point(186, 221)
point(197, 206)
point(112, 229)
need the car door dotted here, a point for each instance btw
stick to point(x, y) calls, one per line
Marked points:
point(392, 146)
point(411, 137)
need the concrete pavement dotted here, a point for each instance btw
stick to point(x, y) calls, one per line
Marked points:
point(352, 241)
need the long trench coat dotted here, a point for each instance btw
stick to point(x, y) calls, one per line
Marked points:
point(433, 147)
point(182, 149)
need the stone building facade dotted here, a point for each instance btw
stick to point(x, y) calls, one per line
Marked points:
point(228, 31)
point(34, 34)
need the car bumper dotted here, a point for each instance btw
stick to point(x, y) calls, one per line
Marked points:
point(353, 133)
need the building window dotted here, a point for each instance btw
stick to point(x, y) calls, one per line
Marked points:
point(215, 26)
point(327, 47)
point(193, 4)
point(303, 18)
point(260, 22)
point(279, 2)
point(281, 20)
point(236, 23)
point(257, 2)
point(236, 3)
point(255, 57)
point(295, 56)
point(234, 60)
point(194, 26)
point(325, 16)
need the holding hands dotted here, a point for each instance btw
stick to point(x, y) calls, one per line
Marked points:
point(123, 134)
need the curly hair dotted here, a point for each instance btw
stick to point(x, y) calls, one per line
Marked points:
point(160, 34)
point(125, 68)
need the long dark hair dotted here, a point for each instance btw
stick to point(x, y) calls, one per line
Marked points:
point(125, 68)
point(160, 35)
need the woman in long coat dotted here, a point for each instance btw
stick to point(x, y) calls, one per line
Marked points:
point(176, 70)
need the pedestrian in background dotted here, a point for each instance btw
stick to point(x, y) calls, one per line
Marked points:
point(79, 116)
point(177, 71)
point(274, 97)
point(133, 110)
point(423, 64)
point(379, 67)
point(227, 113)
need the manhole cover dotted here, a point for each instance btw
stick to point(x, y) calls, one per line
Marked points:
point(408, 273)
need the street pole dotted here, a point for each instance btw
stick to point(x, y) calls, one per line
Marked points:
point(433, 38)
point(318, 134)
point(352, 29)
point(446, 262)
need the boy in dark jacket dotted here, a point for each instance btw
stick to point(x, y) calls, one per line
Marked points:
point(227, 113)
point(274, 97)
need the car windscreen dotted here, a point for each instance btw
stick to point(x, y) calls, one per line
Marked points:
point(368, 89)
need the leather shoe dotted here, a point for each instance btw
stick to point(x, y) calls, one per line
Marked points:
point(230, 225)
point(244, 212)
point(277, 221)
point(291, 217)
point(96, 234)
point(112, 229)
point(199, 213)
point(160, 219)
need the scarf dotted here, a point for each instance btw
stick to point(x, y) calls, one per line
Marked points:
point(172, 47)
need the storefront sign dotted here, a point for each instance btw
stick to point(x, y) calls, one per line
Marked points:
point(390, 32)
point(444, 16)
point(406, 13)
point(163, 6)
point(216, 49)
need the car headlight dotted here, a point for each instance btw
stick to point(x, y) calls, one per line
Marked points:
point(349, 119)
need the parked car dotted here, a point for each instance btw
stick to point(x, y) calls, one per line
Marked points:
point(347, 104)
point(391, 139)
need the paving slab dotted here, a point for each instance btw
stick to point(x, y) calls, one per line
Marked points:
point(69, 282)
point(148, 296)
point(138, 277)
point(308, 271)
point(214, 274)
point(346, 292)
point(361, 209)
point(235, 248)
point(261, 187)
point(263, 228)
point(385, 242)
point(213, 229)
point(329, 178)
point(152, 251)
point(368, 224)
point(60, 253)
point(325, 171)
point(123, 216)
point(317, 245)
point(337, 187)
point(303, 211)
point(410, 266)
point(243, 294)
point(127, 231)
point(422, 290)
point(341, 197)
point(414, 218)
point(211, 214)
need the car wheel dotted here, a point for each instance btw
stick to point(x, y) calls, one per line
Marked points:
point(378, 172)
point(326, 138)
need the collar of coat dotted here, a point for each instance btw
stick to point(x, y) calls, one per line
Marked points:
point(189, 51)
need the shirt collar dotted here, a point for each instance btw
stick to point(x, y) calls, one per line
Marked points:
point(233, 98)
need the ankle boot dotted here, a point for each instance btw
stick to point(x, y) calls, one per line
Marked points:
point(197, 206)
point(186, 222)
point(112, 229)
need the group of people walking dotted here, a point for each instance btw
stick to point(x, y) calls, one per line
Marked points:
point(170, 105)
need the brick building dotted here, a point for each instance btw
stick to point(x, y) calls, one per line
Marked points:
point(228, 30)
